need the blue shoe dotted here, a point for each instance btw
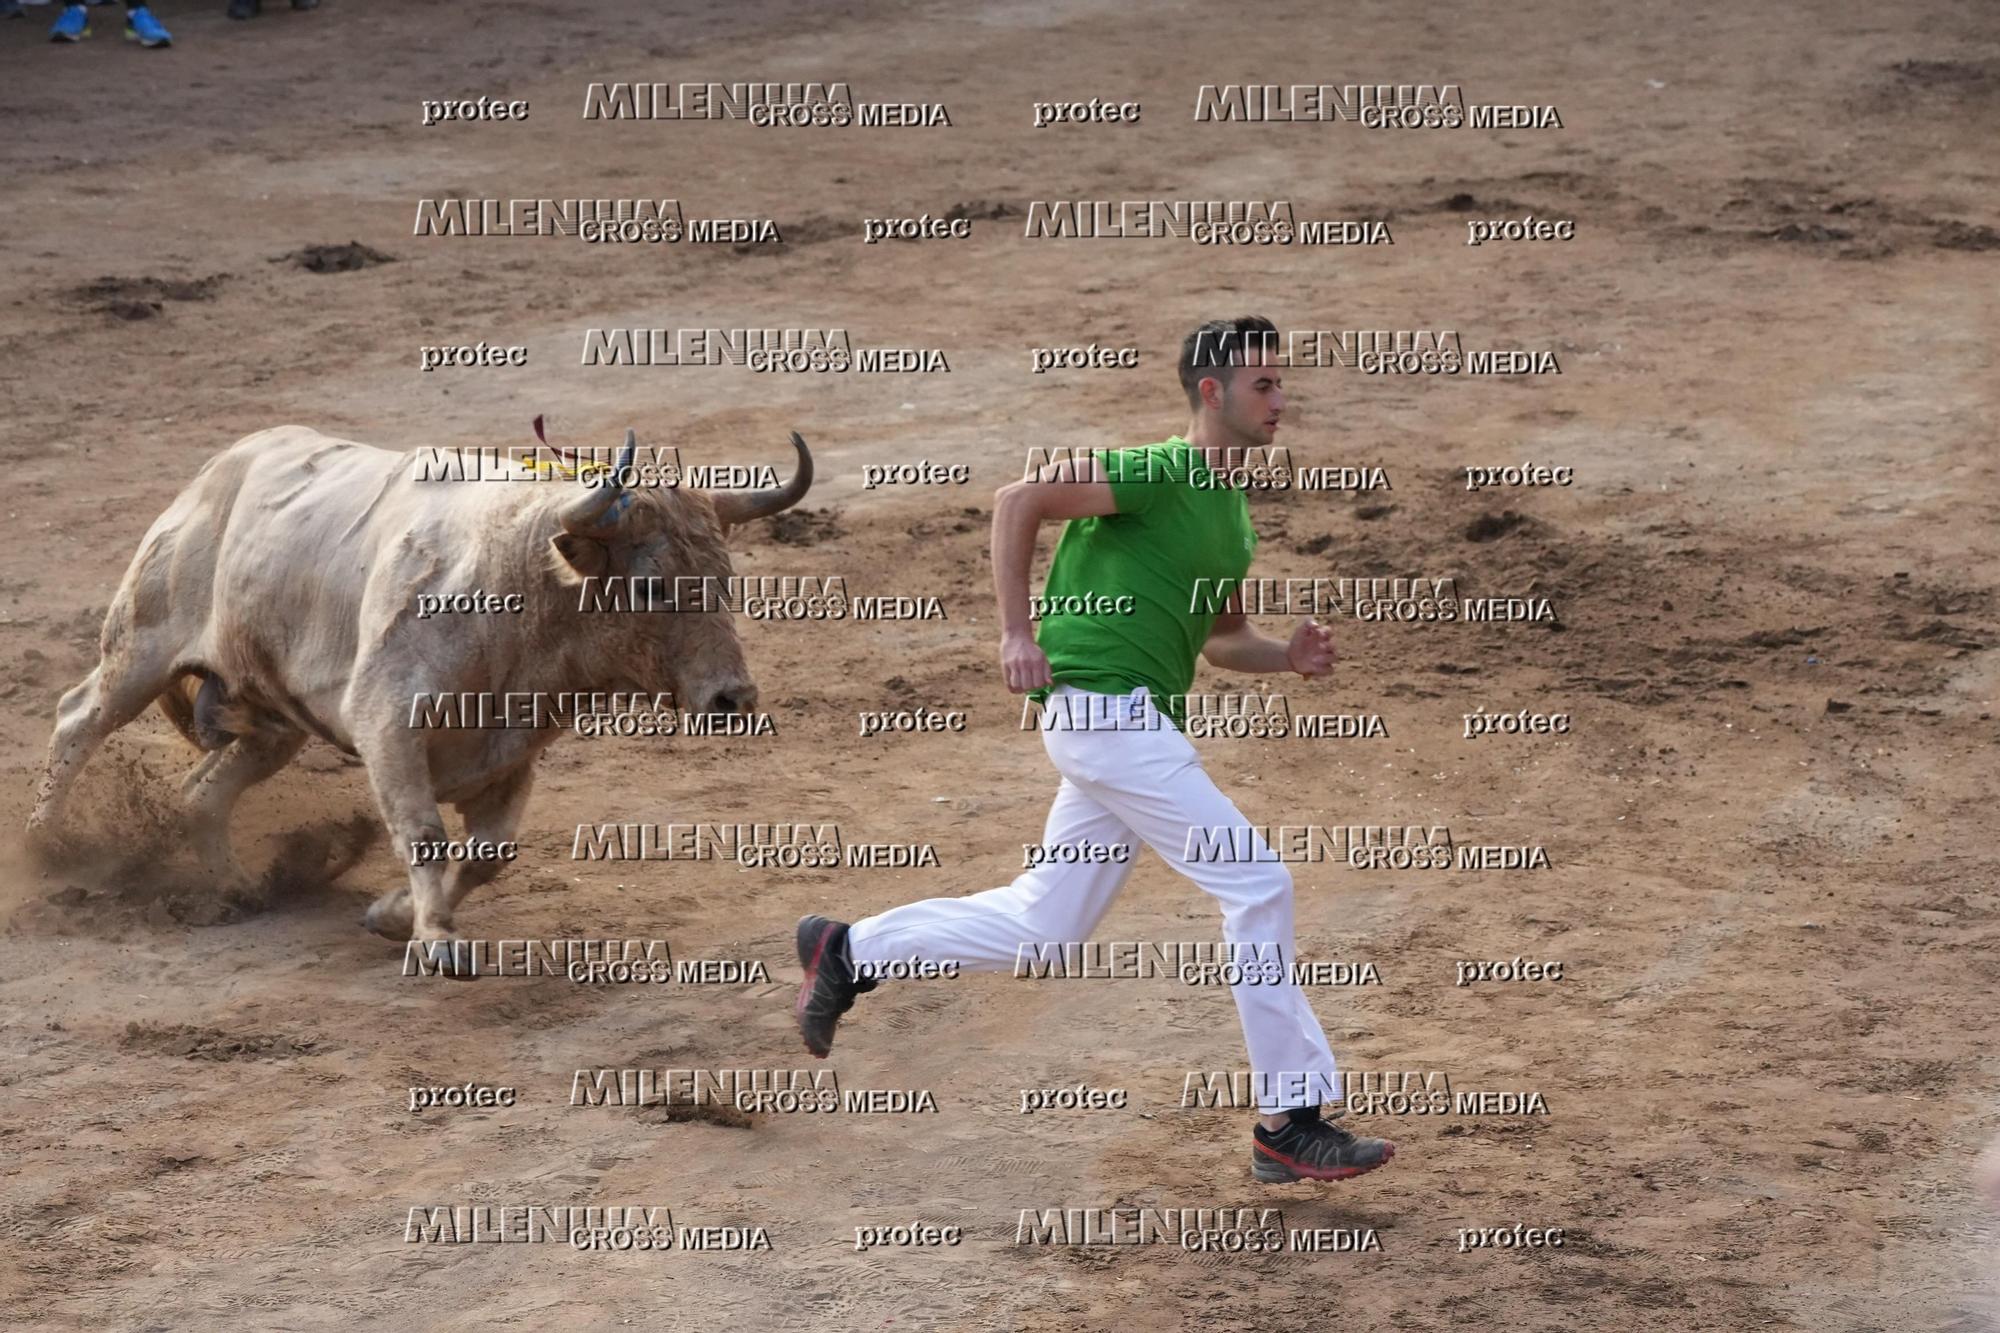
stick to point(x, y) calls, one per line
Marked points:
point(11, 9)
point(73, 26)
point(143, 28)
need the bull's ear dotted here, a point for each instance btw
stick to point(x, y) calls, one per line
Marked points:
point(585, 555)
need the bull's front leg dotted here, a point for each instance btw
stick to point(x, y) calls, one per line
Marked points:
point(399, 772)
point(491, 818)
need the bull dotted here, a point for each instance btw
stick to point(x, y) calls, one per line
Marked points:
point(276, 600)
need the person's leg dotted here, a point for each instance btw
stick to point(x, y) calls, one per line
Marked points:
point(1145, 773)
point(1051, 904)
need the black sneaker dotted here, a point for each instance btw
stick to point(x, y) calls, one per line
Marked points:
point(829, 988)
point(1310, 1148)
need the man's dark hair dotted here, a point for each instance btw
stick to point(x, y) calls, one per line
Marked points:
point(1219, 343)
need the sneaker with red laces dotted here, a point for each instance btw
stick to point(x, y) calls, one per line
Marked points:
point(1311, 1148)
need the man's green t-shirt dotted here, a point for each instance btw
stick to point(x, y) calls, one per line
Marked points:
point(1131, 596)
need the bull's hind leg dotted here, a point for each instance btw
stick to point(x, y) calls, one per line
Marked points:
point(493, 817)
point(212, 790)
point(117, 690)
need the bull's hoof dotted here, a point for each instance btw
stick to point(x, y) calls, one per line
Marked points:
point(391, 917)
point(448, 957)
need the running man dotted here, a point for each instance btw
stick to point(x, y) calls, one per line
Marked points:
point(1130, 602)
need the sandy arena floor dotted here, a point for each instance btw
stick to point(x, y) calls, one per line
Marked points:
point(1767, 1068)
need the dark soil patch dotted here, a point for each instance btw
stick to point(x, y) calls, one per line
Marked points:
point(805, 527)
point(335, 258)
point(206, 1043)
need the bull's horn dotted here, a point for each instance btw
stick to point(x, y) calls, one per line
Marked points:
point(596, 511)
point(742, 506)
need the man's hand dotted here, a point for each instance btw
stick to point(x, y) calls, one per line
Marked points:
point(1023, 663)
point(1311, 650)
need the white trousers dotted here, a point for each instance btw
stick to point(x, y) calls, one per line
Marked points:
point(1128, 772)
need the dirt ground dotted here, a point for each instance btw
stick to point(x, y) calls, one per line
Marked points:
point(1767, 1066)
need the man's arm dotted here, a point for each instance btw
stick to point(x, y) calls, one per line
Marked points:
point(1234, 644)
point(1061, 491)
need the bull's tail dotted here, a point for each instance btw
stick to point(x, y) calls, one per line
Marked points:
point(177, 702)
point(198, 705)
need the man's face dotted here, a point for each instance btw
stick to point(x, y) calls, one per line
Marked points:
point(1252, 403)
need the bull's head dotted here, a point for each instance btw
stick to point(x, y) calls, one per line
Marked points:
point(613, 532)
